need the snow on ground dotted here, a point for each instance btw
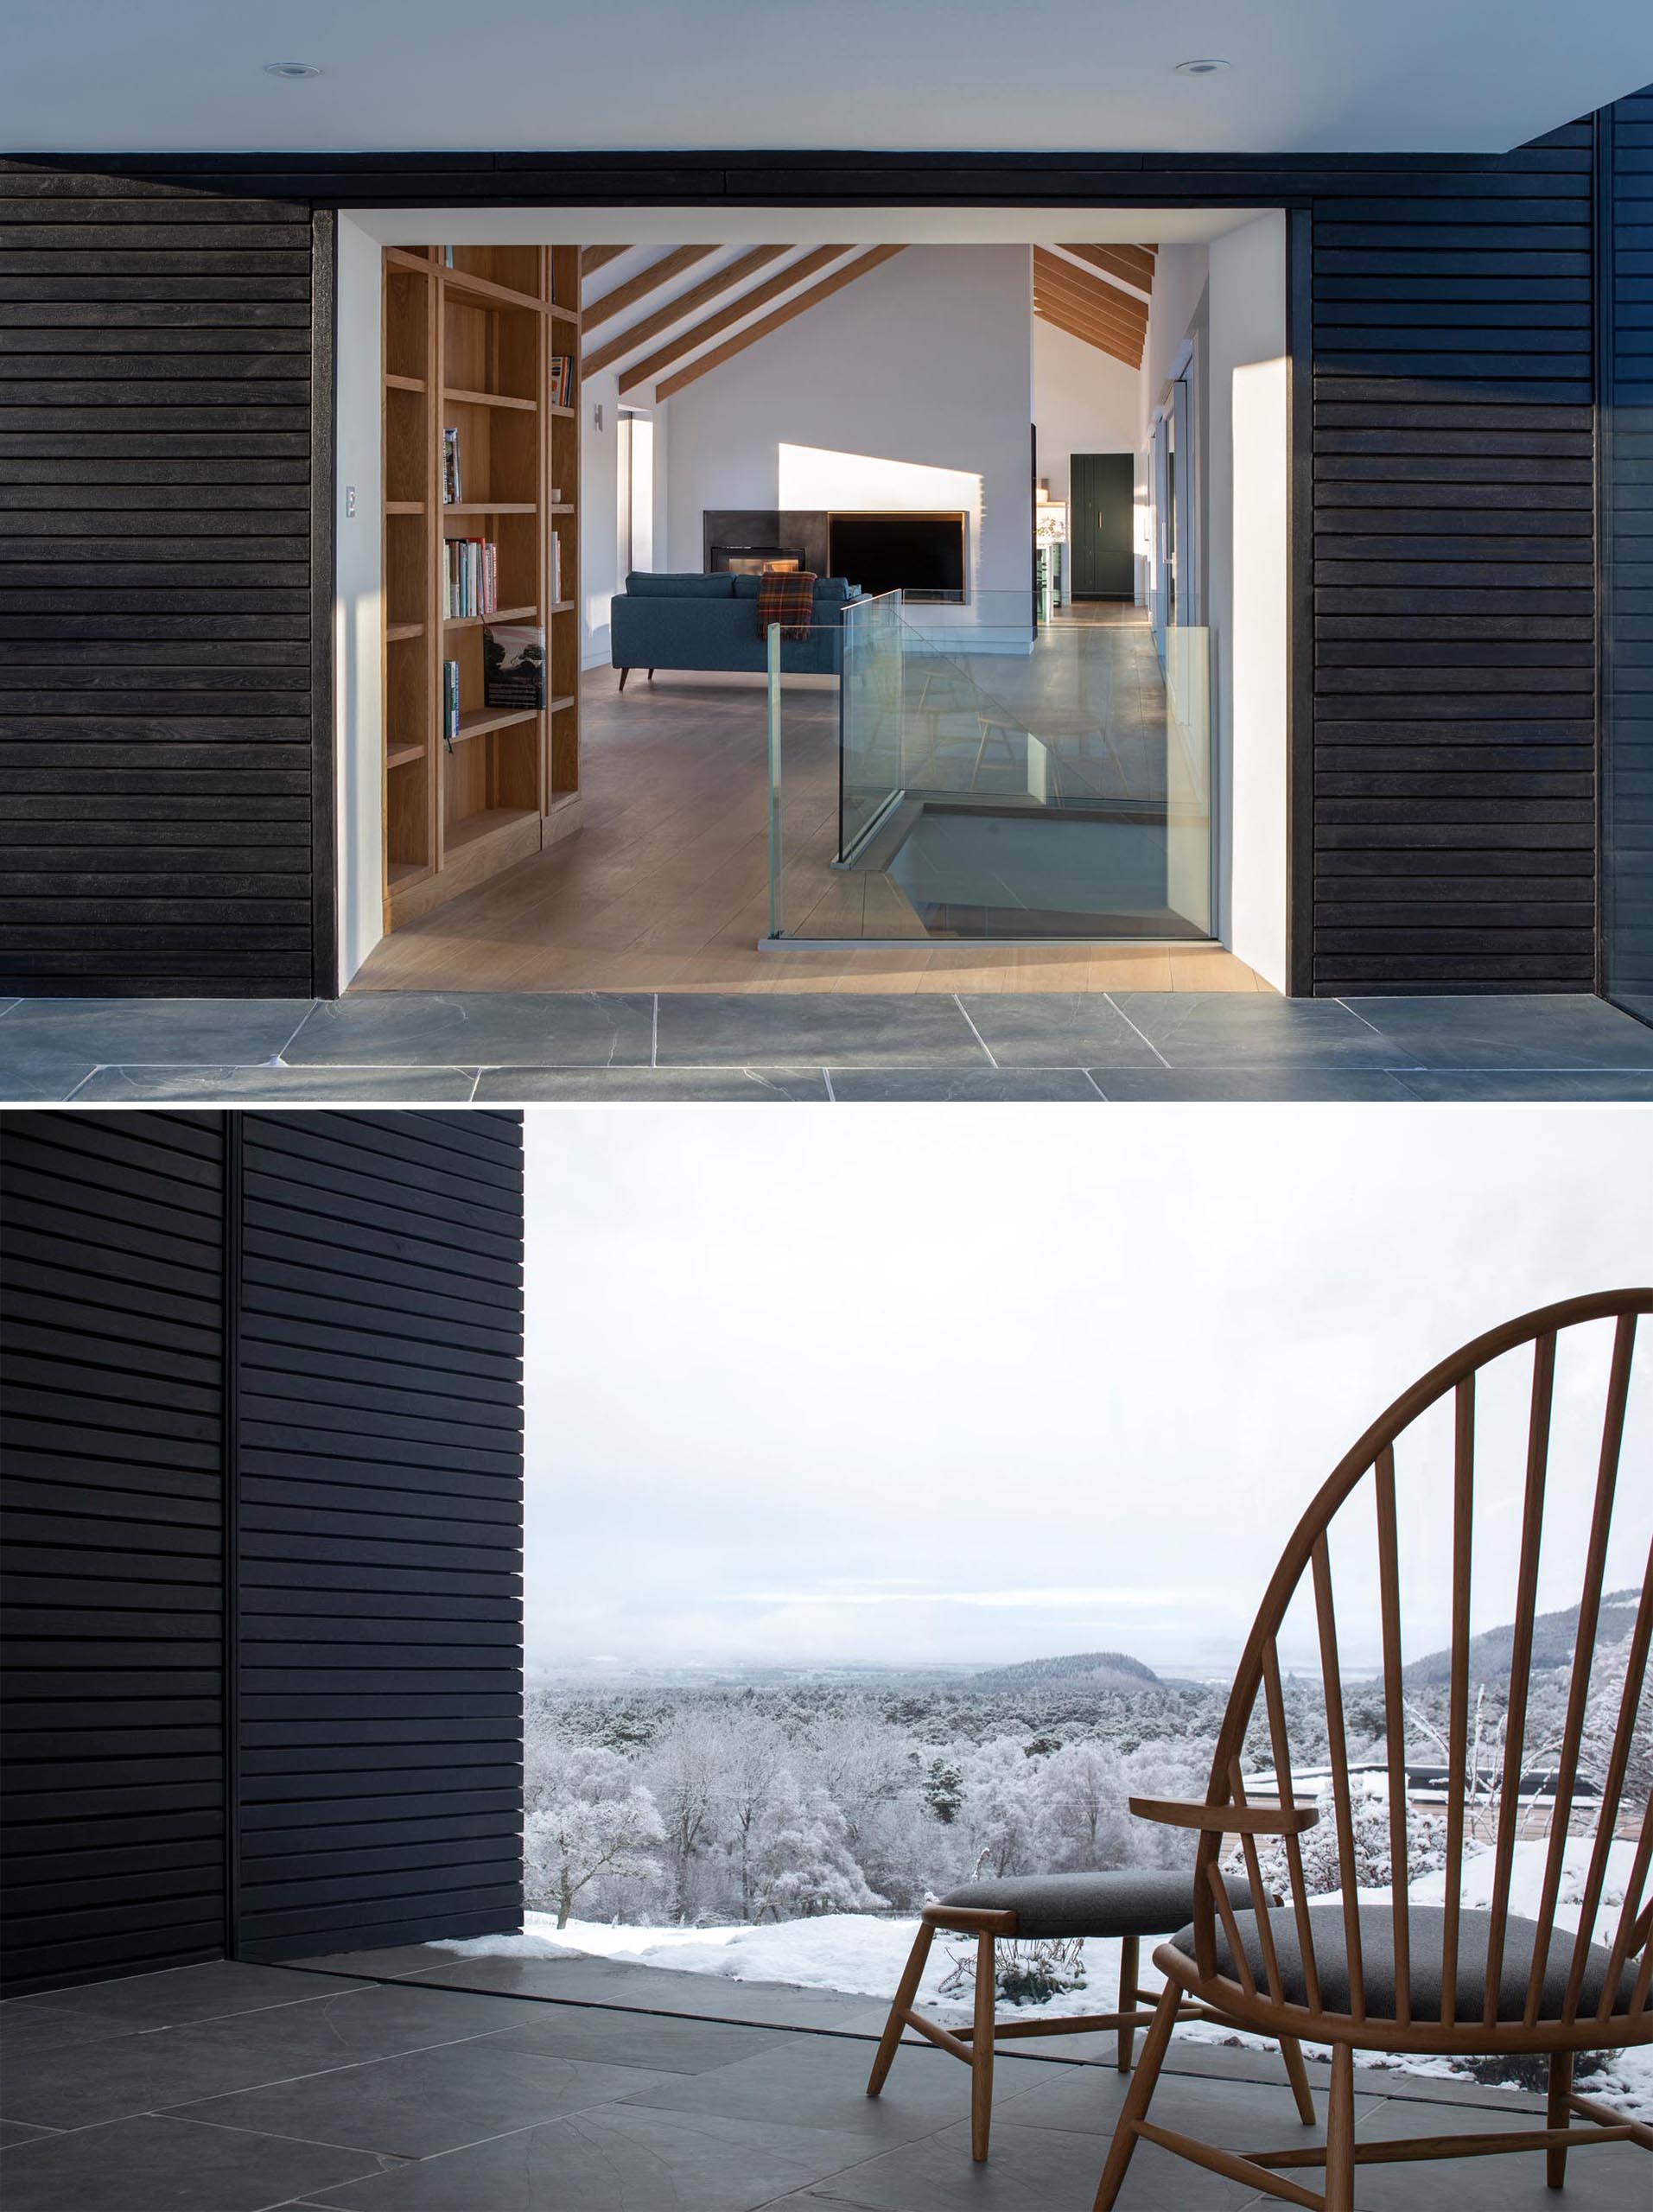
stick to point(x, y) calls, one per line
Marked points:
point(861, 1955)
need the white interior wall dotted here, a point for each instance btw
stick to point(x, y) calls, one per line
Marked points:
point(1084, 402)
point(357, 585)
point(600, 495)
point(912, 388)
point(1248, 392)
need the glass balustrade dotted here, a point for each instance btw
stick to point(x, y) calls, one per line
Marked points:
point(961, 773)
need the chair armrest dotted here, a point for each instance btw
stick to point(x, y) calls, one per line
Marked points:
point(1227, 1819)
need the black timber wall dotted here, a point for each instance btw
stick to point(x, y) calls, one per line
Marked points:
point(112, 1815)
point(263, 1499)
point(1625, 308)
point(1443, 727)
point(162, 660)
point(380, 1530)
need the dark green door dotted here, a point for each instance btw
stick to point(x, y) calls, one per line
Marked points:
point(1101, 499)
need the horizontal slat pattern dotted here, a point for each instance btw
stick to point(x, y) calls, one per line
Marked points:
point(1453, 580)
point(380, 1518)
point(112, 1775)
point(155, 589)
point(1627, 551)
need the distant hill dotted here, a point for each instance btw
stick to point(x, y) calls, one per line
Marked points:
point(1553, 1638)
point(1077, 1670)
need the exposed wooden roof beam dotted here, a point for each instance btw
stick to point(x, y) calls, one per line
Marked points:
point(678, 348)
point(651, 279)
point(594, 257)
point(1133, 264)
point(1121, 349)
point(1130, 333)
point(835, 283)
point(628, 341)
point(1090, 291)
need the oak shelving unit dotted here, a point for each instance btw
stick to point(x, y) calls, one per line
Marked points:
point(470, 345)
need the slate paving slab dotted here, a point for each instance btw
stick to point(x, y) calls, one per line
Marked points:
point(652, 1086)
point(1536, 1030)
point(1060, 1029)
point(425, 2102)
point(140, 2164)
point(803, 1029)
point(276, 1085)
point(980, 1085)
point(615, 2158)
point(1236, 1029)
point(1211, 1086)
point(478, 1028)
point(42, 1040)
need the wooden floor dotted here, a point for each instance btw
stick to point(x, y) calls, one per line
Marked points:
point(665, 887)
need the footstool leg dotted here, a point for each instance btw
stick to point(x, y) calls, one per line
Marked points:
point(912, 1974)
point(1291, 2051)
point(1128, 1995)
point(987, 1993)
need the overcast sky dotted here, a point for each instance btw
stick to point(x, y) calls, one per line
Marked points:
point(892, 1385)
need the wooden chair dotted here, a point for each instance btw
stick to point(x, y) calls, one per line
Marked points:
point(1451, 1980)
point(1126, 1905)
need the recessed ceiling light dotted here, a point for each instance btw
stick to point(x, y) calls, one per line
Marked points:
point(1200, 68)
point(291, 69)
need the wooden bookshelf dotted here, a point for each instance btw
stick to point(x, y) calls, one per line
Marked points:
point(470, 346)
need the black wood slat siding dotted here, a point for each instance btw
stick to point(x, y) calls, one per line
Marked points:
point(1445, 645)
point(1627, 529)
point(380, 1603)
point(156, 577)
point(111, 1782)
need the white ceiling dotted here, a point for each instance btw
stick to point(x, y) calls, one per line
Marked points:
point(512, 75)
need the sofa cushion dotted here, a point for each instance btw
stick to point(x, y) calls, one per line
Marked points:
point(641, 584)
point(1426, 1961)
point(1131, 1901)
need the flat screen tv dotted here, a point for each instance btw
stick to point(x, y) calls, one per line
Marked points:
point(922, 554)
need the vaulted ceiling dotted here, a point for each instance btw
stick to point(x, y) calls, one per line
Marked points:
point(657, 331)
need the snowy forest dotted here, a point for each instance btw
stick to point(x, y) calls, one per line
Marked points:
point(743, 1806)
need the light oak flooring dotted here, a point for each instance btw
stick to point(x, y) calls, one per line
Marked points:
point(665, 887)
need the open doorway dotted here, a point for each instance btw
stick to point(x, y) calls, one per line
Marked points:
point(944, 774)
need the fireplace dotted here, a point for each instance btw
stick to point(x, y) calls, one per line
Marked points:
point(753, 560)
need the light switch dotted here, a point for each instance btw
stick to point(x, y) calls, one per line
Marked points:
point(350, 502)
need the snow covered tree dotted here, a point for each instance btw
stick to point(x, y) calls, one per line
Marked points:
point(801, 1864)
point(593, 1818)
point(682, 1772)
point(1000, 1809)
point(1601, 1717)
point(1083, 1794)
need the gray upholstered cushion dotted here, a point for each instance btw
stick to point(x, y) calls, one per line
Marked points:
point(1134, 1901)
point(1425, 1954)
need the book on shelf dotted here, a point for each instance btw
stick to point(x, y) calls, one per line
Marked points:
point(451, 494)
point(513, 666)
point(561, 375)
point(470, 582)
point(449, 702)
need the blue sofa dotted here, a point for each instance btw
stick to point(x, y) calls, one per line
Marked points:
point(711, 622)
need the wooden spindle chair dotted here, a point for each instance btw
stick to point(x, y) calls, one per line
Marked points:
point(1453, 1981)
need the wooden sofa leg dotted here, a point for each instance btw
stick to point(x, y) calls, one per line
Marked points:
point(1129, 1954)
point(1340, 2132)
point(987, 1993)
point(624, 673)
point(1137, 2097)
point(1291, 2051)
point(890, 2041)
point(1559, 2115)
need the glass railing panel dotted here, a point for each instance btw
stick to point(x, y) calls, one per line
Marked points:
point(994, 780)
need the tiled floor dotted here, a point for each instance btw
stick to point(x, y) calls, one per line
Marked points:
point(504, 1048)
point(237, 2089)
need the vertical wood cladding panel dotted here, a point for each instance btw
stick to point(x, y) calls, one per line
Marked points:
point(155, 572)
point(112, 1805)
point(379, 1601)
point(1627, 557)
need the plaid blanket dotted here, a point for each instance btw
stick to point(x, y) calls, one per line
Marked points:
point(786, 596)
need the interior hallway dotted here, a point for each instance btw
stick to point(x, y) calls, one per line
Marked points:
point(666, 887)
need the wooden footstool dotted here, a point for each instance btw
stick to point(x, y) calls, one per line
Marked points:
point(1125, 1905)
